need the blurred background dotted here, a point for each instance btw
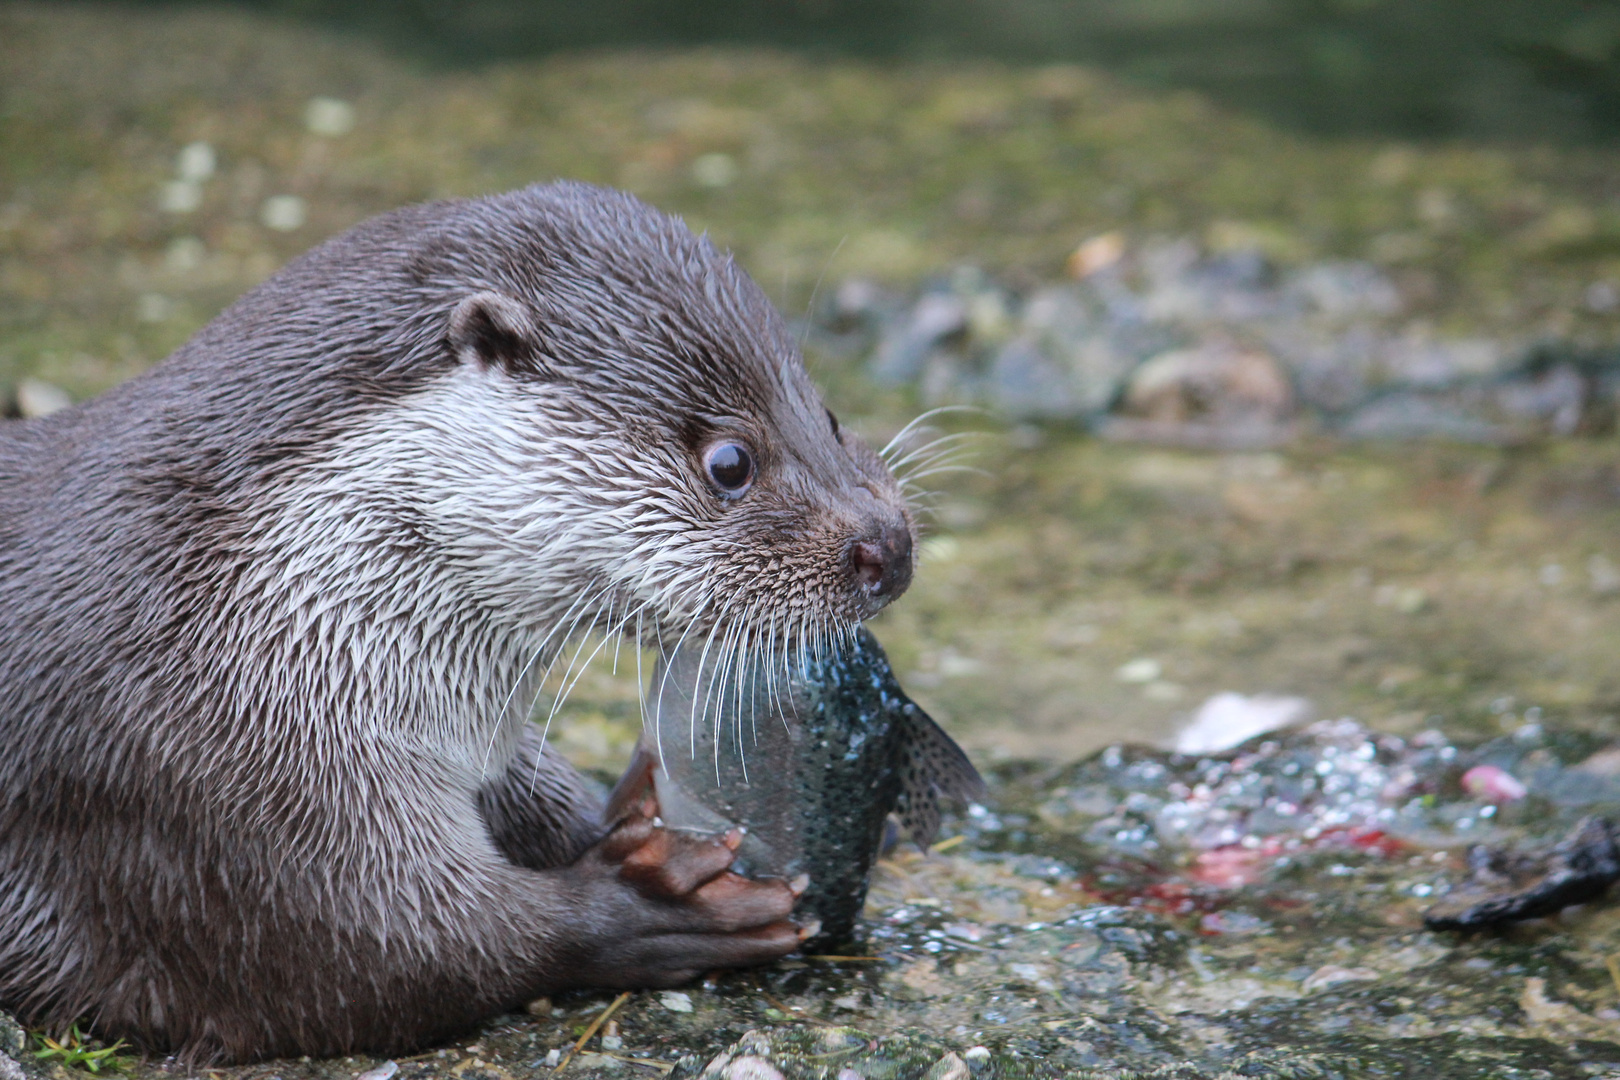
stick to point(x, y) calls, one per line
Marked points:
point(1291, 323)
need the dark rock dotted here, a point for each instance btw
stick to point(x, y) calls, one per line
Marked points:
point(1579, 870)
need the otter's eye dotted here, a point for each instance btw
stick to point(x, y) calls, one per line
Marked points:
point(731, 467)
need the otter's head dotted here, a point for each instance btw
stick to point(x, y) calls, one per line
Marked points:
point(638, 443)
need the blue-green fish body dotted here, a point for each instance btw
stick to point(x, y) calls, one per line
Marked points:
point(810, 762)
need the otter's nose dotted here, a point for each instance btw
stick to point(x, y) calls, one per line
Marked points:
point(882, 562)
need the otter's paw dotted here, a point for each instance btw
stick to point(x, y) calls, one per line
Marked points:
point(670, 909)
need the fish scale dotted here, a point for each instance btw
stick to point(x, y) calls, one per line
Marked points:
point(810, 763)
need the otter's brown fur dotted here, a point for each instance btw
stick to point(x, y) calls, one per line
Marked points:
point(266, 610)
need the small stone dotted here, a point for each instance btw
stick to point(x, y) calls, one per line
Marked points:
point(153, 308)
point(907, 342)
point(949, 1067)
point(749, 1067)
point(1143, 669)
point(36, 397)
point(13, 1039)
point(1329, 974)
point(195, 163)
point(540, 1006)
point(1096, 255)
point(1493, 785)
point(1024, 383)
point(553, 1058)
point(678, 1001)
point(1601, 297)
point(715, 170)
point(328, 116)
point(180, 196)
point(1216, 382)
point(1603, 576)
point(385, 1071)
point(283, 213)
point(1410, 601)
point(612, 1042)
point(1228, 719)
point(185, 253)
point(976, 1054)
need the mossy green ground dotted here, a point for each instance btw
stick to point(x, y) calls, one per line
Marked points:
point(1404, 585)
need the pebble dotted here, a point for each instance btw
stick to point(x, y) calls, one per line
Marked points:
point(1165, 341)
point(749, 1067)
point(1228, 719)
point(1331, 974)
point(715, 170)
point(678, 1001)
point(35, 397)
point(283, 213)
point(385, 1071)
point(329, 117)
point(195, 163)
point(1493, 785)
point(1144, 669)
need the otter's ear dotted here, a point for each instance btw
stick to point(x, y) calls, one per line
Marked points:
point(495, 330)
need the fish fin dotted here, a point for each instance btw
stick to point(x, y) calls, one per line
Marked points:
point(635, 785)
point(931, 766)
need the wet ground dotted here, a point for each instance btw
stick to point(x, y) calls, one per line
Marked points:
point(1252, 912)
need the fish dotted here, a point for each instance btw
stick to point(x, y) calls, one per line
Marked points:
point(810, 759)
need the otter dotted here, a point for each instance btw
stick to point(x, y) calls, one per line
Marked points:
point(267, 609)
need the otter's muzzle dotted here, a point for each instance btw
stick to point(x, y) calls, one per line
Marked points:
point(882, 563)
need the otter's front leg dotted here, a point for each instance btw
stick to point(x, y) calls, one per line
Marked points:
point(541, 812)
point(661, 907)
point(652, 907)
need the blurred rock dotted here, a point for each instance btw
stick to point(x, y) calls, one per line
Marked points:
point(1228, 720)
point(1143, 344)
point(906, 342)
point(1096, 255)
point(1402, 416)
point(330, 117)
point(1217, 394)
point(283, 213)
point(1346, 290)
point(196, 162)
point(35, 397)
point(1023, 383)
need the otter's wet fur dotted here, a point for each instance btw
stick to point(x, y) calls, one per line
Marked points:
point(272, 612)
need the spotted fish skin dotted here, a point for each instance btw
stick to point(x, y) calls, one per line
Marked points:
point(810, 766)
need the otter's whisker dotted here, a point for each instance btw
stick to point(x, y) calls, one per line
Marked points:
point(921, 418)
point(940, 445)
point(500, 717)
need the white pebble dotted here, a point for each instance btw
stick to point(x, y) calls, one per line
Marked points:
point(36, 397)
point(385, 1071)
point(1228, 719)
point(750, 1067)
point(185, 254)
point(553, 1058)
point(676, 1001)
point(283, 213)
point(328, 116)
point(180, 196)
point(196, 162)
point(153, 308)
point(715, 170)
point(1141, 670)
